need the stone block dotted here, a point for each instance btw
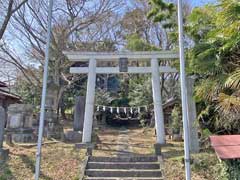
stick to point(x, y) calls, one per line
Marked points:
point(50, 116)
point(79, 113)
point(15, 120)
point(3, 155)
point(20, 135)
point(73, 136)
point(20, 116)
point(54, 130)
point(35, 121)
point(49, 102)
point(20, 123)
point(85, 146)
point(28, 123)
point(124, 174)
point(15, 108)
point(23, 138)
point(158, 149)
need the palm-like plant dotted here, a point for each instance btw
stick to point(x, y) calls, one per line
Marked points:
point(229, 105)
point(215, 59)
point(233, 80)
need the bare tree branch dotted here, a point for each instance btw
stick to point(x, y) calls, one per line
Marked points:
point(10, 11)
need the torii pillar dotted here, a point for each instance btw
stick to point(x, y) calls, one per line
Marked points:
point(89, 107)
point(157, 101)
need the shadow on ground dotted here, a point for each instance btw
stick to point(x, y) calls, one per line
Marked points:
point(31, 165)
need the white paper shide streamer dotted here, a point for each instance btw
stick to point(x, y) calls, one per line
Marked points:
point(139, 109)
point(104, 108)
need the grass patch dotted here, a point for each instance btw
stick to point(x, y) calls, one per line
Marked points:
point(204, 165)
point(59, 161)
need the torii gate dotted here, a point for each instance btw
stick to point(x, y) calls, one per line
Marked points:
point(183, 91)
point(92, 70)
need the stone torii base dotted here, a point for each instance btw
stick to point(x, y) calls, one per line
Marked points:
point(4, 154)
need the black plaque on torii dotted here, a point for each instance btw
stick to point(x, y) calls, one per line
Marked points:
point(123, 64)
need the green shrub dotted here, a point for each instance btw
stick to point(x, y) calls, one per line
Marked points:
point(231, 169)
point(176, 120)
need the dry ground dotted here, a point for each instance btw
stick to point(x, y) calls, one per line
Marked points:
point(61, 161)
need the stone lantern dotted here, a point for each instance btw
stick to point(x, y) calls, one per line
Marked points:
point(53, 128)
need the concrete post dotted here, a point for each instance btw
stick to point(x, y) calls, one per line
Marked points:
point(157, 100)
point(89, 106)
point(192, 116)
point(2, 123)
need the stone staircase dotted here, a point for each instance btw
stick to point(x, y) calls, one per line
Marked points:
point(123, 168)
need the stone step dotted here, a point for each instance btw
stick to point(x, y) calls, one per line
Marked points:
point(124, 159)
point(126, 178)
point(122, 173)
point(123, 165)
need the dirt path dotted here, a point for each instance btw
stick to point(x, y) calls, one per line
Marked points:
point(124, 146)
point(124, 141)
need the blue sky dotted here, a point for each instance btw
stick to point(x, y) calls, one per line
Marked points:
point(200, 2)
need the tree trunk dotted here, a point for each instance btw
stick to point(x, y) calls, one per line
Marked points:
point(62, 110)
